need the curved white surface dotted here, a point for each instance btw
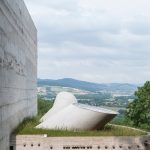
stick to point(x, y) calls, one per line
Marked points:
point(74, 116)
point(62, 100)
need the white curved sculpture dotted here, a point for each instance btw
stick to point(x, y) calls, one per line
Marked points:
point(62, 100)
point(66, 113)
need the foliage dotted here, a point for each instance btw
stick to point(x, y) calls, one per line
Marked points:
point(120, 119)
point(93, 99)
point(43, 106)
point(138, 111)
point(122, 101)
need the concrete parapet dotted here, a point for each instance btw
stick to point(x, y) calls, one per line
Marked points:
point(39, 142)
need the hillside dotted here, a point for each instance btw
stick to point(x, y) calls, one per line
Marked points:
point(89, 86)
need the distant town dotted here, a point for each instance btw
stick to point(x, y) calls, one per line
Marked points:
point(117, 96)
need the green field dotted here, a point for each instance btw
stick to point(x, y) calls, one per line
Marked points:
point(27, 127)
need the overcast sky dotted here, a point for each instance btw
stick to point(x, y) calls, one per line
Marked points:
point(93, 40)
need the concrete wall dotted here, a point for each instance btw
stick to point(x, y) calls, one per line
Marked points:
point(24, 142)
point(18, 67)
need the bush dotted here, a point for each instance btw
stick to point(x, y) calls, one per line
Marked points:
point(44, 106)
point(139, 110)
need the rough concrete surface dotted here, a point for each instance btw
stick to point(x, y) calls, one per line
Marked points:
point(39, 142)
point(18, 67)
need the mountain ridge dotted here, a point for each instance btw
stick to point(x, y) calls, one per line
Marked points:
point(85, 85)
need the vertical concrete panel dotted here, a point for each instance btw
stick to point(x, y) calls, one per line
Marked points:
point(18, 67)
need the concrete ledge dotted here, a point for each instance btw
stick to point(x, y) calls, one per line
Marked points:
point(39, 142)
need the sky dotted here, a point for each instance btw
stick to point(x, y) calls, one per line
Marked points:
point(103, 41)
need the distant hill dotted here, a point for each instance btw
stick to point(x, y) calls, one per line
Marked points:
point(68, 82)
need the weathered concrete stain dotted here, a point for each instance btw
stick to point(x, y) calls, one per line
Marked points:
point(18, 67)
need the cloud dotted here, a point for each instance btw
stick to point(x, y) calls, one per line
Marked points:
point(99, 41)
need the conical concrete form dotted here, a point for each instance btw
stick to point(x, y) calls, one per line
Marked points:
point(62, 100)
point(68, 114)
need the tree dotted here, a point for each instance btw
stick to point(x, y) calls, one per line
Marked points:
point(138, 111)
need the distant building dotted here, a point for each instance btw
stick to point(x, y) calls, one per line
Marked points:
point(41, 90)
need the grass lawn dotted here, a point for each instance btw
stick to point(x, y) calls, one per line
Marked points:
point(27, 127)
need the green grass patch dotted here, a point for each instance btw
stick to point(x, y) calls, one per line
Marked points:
point(27, 127)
